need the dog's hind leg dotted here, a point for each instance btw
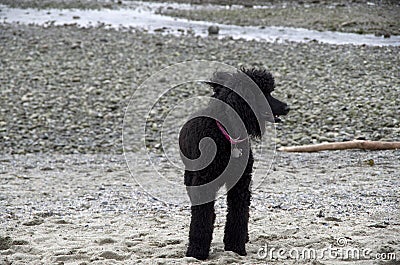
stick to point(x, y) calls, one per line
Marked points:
point(201, 230)
point(202, 221)
point(236, 227)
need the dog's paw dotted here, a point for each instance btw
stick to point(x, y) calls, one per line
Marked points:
point(238, 250)
point(197, 253)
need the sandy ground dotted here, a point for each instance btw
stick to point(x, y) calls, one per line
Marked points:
point(87, 209)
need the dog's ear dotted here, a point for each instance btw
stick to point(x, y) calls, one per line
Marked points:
point(261, 77)
point(223, 83)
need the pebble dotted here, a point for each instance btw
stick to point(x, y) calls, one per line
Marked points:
point(33, 222)
point(333, 219)
point(213, 30)
point(112, 255)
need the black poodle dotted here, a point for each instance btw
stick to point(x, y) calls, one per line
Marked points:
point(215, 148)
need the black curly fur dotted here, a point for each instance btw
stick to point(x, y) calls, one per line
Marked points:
point(238, 197)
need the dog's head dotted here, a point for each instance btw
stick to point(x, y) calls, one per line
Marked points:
point(247, 92)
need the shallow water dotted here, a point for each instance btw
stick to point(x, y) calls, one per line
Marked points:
point(143, 16)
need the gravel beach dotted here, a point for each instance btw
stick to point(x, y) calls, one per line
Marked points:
point(362, 17)
point(67, 196)
point(65, 89)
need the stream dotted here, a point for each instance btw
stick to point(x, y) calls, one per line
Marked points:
point(140, 15)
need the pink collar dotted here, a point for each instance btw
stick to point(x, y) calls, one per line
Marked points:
point(228, 137)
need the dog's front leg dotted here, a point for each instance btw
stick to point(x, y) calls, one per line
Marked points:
point(201, 230)
point(236, 227)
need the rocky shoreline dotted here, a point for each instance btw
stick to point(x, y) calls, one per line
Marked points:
point(65, 89)
point(359, 17)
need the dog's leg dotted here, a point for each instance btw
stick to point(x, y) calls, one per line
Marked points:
point(236, 227)
point(201, 230)
point(202, 220)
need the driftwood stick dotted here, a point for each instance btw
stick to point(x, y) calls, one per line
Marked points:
point(356, 144)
